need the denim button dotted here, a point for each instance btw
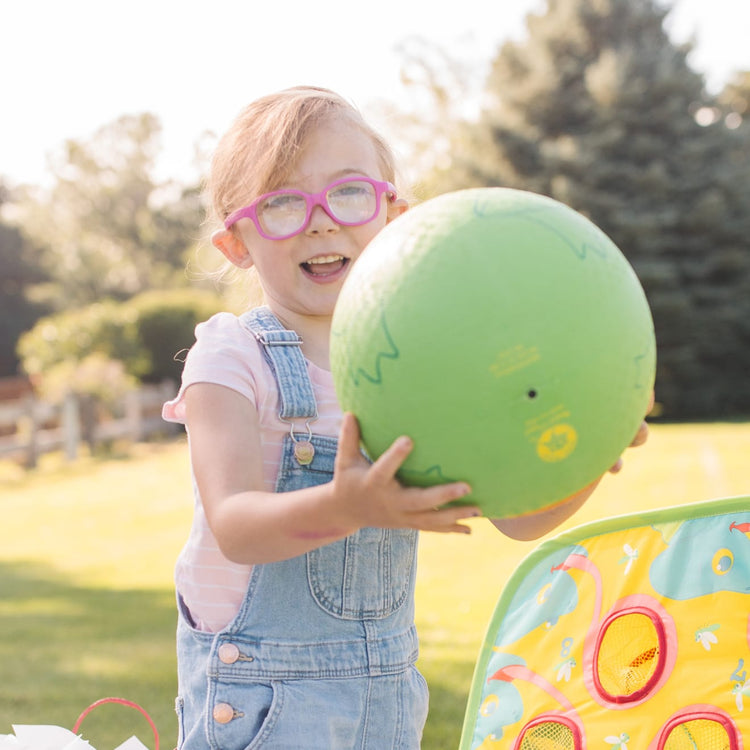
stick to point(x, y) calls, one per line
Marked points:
point(228, 653)
point(223, 713)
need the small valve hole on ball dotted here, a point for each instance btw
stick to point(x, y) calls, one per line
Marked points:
point(531, 393)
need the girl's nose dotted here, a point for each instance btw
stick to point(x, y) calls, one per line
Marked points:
point(321, 222)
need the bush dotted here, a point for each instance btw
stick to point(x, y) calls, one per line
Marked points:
point(97, 376)
point(144, 333)
point(105, 328)
point(165, 325)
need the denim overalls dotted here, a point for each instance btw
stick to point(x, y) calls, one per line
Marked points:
point(322, 651)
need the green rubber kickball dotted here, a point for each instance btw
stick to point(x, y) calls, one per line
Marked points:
point(505, 334)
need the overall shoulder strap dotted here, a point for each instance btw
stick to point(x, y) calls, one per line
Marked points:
point(281, 348)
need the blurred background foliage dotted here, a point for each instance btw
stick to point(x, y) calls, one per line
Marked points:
point(595, 106)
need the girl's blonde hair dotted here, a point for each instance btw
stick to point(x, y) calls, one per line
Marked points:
point(259, 151)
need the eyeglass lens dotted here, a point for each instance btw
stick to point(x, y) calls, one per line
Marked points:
point(353, 202)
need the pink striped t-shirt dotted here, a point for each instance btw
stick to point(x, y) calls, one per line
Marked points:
point(226, 353)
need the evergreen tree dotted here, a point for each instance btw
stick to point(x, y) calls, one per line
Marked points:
point(17, 275)
point(734, 102)
point(599, 109)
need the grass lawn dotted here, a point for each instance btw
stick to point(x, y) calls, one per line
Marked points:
point(86, 600)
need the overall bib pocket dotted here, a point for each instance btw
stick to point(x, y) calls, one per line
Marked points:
point(362, 576)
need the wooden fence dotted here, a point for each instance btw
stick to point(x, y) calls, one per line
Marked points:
point(30, 427)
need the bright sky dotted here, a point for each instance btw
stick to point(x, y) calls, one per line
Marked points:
point(69, 67)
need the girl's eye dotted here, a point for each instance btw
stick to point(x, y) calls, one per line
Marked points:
point(284, 202)
point(351, 190)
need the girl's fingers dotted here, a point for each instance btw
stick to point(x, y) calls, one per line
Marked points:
point(430, 498)
point(389, 462)
point(641, 436)
point(418, 501)
point(415, 507)
point(617, 466)
point(348, 448)
point(446, 520)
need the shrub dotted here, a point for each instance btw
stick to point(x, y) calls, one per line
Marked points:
point(144, 334)
point(165, 325)
point(95, 375)
point(105, 328)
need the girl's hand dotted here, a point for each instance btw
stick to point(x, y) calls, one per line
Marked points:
point(640, 437)
point(371, 495)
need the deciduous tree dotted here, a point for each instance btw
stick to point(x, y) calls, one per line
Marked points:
point(107, 227)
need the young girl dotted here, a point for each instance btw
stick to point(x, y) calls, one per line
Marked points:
point(296, 585)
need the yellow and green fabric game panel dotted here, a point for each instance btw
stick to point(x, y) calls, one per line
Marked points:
point(631, 633)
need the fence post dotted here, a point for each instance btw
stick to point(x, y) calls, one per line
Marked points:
point(71, 426)
point(31, 448)
point(133, 415)
point(37, 426)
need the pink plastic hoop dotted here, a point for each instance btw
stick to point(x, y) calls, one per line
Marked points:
point(122, 702)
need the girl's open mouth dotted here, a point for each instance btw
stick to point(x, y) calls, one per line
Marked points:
point(325, 265)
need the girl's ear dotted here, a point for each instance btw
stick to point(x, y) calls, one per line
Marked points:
point(232, 247)
point(396, 208)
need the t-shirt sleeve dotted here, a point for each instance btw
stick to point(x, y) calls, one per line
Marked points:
point(224, 353)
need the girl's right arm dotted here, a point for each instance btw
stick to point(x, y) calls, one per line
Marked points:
point(254, 526)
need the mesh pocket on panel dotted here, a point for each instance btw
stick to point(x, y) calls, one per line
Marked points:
point(549, 735)
point(629, 656)
point(698, 734)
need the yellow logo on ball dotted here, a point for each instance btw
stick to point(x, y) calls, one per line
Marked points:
point(557, 443)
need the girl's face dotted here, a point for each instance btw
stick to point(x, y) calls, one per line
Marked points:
point(302, 275)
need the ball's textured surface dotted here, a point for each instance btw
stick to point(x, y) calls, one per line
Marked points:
point(507, 335)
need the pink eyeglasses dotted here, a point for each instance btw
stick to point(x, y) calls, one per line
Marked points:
point(283, 213)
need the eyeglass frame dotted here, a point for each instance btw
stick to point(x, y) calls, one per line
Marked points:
point(311, 201)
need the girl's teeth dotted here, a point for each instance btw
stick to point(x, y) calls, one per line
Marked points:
point(325, 259)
